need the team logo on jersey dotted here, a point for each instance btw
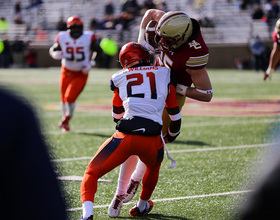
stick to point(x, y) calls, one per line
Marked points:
point(194, 44)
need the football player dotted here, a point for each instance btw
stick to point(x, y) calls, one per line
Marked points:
point(141, 92)
point(275, 53)
point(183, 50)
point(74, 48)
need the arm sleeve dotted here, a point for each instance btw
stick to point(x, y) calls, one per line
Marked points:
point(118, 110)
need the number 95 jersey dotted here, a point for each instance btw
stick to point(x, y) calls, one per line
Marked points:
point(76, 52)
point(143, 91)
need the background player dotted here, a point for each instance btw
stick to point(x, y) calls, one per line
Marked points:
point(275, 53)
point(140, 94)
point(183, 50)
point(74, 47)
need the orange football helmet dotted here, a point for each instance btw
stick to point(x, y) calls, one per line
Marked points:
point(133, 54)
point(75, 26)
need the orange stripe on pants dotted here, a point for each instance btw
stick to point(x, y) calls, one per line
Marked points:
point(114, 151)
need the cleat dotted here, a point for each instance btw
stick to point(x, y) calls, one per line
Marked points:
point(136, 212)
point(89, 218)
point(64, 124)
point(266, 76)
point(131, 190)
point(114, 209)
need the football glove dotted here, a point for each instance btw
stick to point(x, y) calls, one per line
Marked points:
point(150, 48)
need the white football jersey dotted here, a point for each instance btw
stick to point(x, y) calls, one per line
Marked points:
point(76, 52)
point(143, 91)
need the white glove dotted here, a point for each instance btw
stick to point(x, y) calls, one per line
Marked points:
point(150, 48)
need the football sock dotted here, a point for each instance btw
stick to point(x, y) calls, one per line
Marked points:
point(141, 204)
point(87, 209)
point(139, 172)
point(125, 173)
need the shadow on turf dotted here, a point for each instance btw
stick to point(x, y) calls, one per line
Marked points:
point(93, 134)
point(157, 216)
point(197, 143)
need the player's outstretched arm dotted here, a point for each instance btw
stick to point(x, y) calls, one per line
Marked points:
point(202, 90)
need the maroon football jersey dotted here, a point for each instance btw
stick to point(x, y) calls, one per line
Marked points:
point(275, 38)
point(192, 55)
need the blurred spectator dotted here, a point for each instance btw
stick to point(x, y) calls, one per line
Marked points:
point(6, 59)
point(61, 24)
point(264, 201)
point(41, 35)
point(28, 180)
point(109, 8)
point(4, 25)
point(162, 6)
point(95, 24)
point(18, 49)
point(268, 13)
point(148, 4)
point(130, 9)
point(206, 22)
point(108, 18)
point(34, 4)
point(31, 57)
point(18, 13)
point(258, 50)
point(275, 8)
point(258, 12)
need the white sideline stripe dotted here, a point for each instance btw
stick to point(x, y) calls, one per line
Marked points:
point(176, 198)
point(181, 151)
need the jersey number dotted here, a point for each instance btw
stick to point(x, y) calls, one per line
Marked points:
point(138, 81)
point(165, 60)
point(72, 51)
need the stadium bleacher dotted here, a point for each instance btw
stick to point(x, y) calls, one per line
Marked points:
point(231, 25)
point(230, 34)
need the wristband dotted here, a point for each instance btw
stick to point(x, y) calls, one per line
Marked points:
point(175, 117)
point(173, 134)
point(181, 89)
point(141, 35)
point(205, 91)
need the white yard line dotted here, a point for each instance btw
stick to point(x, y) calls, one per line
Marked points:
point(176, 198)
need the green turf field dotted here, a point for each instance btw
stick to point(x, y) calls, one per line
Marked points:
point(219, 152)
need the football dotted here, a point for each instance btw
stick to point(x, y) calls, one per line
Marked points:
point(150, 33)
